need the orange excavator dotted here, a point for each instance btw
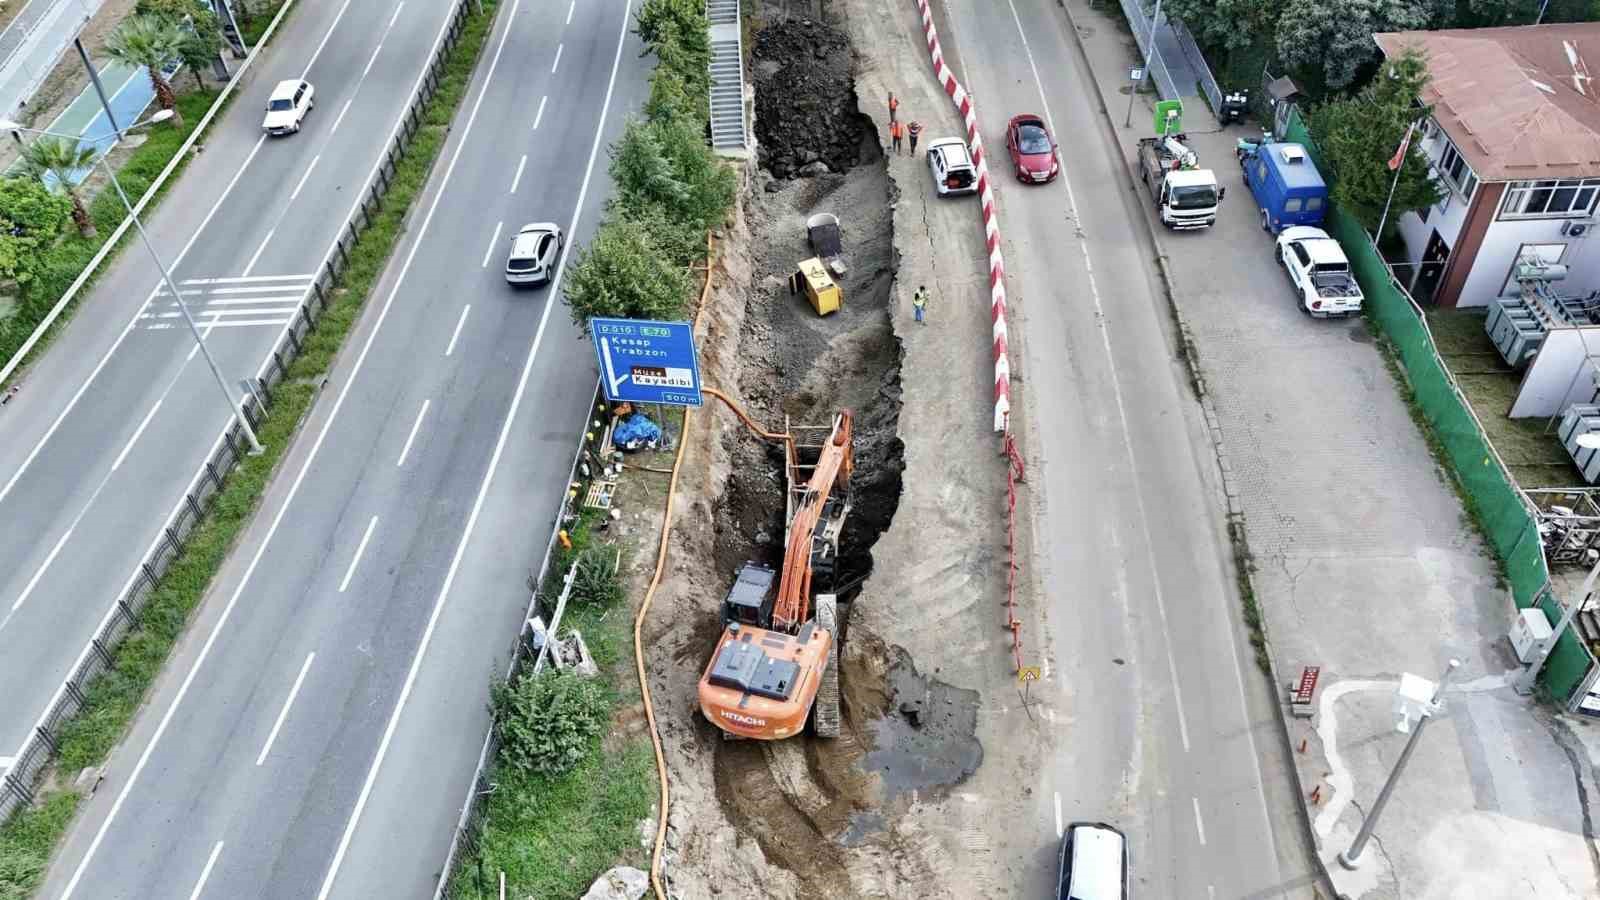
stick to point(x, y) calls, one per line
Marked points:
point(775, 664)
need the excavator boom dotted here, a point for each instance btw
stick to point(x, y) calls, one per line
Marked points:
point(832, 472)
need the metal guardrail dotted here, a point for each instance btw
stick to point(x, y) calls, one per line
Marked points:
point(33, 43)
point(1197, 61)
point(44, 740)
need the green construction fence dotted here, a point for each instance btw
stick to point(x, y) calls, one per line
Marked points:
point(1505, 516)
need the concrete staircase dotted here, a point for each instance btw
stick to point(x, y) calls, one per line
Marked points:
point(727, 78)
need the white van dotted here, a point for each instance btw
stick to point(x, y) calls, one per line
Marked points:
point(1094, 863)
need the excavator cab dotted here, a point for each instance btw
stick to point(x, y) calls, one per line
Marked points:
point(749, 601)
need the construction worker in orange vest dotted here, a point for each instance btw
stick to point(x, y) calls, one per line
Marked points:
point(894, 106)
point(896, 133)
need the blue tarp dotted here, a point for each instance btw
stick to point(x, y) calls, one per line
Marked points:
point(635, 433)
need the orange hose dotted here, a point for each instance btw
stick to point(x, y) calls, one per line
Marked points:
point(644, 609)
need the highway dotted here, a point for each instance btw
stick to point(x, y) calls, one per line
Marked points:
point(316, 734)
point(1147, 660)
point(115, 419)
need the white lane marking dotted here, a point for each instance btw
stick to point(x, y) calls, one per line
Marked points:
point(375, 51)
point(517, 179)
point(558, 59)
point(489, 250)
point(340, 117)
point(356, 560)
point(457, 333)
point(324, 42)
point(570, 7)
point(253, 278)
point(128, 329)
point(34, 581)
point(396, 16)
point(259, 250)
point(499, 447)
point(277, 519)
point(1059, 830)
point(307, 174)
point(540, 114)
point(1122, 407)
point(205, 873)
point(1199, 823)
point(277, 289)
point(279, 300)
point(6, 761)
point(415, 426)
point(210, 316)
point(192, 350)
point(135, 439)
point(283, 714)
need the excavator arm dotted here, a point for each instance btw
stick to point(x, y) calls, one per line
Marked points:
point(832, 472)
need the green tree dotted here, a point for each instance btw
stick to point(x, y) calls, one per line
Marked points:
point(30, 218)
point(666, 163)
point(1329, 42)
point(682, 246)
point(150, 41)
point(676, 32)
point(62, 159)
point(549, 722)
point(623, 273)
point(1226, 24)
point(1358, 136)
point(202, 33)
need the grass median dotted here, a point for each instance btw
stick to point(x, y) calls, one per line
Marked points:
point(111, 700)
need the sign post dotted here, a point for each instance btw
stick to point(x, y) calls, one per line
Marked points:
point(647, 362)
point(1135, 75)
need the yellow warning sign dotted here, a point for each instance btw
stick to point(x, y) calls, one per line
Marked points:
point(1028, 673)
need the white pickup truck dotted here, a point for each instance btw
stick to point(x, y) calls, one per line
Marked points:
point(1319, 271)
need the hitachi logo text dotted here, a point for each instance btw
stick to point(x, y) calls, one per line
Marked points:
point(744, 720)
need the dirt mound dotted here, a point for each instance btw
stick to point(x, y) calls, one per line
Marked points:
point(807, 122)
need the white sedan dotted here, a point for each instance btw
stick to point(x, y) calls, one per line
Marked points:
point(1319, 272)
point(287, 107)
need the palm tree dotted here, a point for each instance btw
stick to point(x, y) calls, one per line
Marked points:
point(152, 42)
point(65, 160)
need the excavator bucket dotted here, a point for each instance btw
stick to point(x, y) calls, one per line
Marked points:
point(825, 716)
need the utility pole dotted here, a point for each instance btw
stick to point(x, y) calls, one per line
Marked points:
point(99, 88)
point(1149, 67)
point(1530, 675)
point(1351, 858)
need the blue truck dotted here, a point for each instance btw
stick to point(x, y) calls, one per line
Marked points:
point(1289, 190)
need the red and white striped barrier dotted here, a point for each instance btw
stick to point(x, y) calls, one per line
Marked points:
point(991, 221)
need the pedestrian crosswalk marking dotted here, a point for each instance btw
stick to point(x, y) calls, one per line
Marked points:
point(228, 302)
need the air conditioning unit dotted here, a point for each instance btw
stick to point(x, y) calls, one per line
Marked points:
point(1577, 228)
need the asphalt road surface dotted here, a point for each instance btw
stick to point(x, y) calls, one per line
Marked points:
point(317, 734)
point(115, 419)
point(1148, 662)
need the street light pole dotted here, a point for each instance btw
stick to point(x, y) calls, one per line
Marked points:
point(234, 409)
point(1150, 70)
point(1351, 858)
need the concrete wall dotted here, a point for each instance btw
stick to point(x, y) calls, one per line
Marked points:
point(1561, 375)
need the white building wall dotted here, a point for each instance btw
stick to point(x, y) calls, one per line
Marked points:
point(1446, 216)
point(1561, 375)
point(1505, 240)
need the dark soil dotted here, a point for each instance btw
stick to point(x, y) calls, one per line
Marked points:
point(807, 120)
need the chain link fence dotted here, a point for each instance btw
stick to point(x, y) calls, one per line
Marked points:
point(1139, 21)
point(44, 739)
point(1197, 62)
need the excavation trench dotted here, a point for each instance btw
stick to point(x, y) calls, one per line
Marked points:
point(825, 809)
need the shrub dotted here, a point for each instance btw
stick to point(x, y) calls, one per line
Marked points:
point(598, 582)
point(623, 273)
point(549, 722)
point(30, 218)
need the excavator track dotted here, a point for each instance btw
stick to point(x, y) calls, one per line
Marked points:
point(825, 716)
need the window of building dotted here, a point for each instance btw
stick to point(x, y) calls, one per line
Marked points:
point(1455, 171)
point(1550, 199)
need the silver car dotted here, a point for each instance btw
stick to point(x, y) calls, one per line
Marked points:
point(534, 253)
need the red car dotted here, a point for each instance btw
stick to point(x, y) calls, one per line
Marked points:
point(1033, 152)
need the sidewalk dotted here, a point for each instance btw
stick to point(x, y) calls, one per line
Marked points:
point(1367, 567)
